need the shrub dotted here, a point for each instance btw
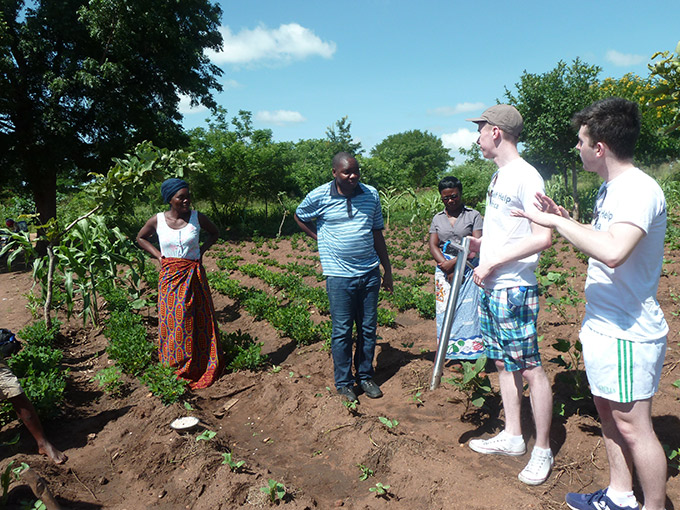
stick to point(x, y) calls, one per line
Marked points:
point(241, 351)
point(386, 317)
point(35, 359)
point(164, 383)
point(249, 358)
point(41, 377)
point(128, 344)
point(117, 299)
point(109, 380)
point(46, 391)
point(39, 334)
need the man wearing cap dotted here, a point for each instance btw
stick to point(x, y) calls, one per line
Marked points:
point(508, 304)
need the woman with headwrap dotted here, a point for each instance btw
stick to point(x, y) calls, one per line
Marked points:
point(187, 327)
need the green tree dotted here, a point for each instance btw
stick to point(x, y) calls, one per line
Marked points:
point(654, 145)
point(340, 138)
point(475, 175)
point(667, 92)
point(311, 159)
point(241, 165)
point(83, 81)
point(413, 158)
point(547, 102)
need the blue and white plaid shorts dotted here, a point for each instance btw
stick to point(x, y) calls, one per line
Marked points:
point(509, 330)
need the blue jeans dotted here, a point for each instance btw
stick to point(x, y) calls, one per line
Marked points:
point(353, 300)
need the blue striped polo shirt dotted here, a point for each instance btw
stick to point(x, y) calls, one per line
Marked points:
point(344, 227)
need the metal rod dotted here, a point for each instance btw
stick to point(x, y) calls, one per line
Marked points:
point(463, 251)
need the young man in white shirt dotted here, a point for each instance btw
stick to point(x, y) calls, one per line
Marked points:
point(509, 251)
point(624, 330)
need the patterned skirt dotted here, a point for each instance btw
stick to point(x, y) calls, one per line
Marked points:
point(465, 340)
point(186, 321)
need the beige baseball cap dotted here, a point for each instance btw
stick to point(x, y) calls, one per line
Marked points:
point(504, 116)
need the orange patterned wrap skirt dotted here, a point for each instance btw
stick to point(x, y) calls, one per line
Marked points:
point(189, 338)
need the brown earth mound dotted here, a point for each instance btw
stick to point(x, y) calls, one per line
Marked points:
point(288, 425)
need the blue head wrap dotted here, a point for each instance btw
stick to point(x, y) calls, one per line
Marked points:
point(170, 187)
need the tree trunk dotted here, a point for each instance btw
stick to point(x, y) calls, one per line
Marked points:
point(44, 185)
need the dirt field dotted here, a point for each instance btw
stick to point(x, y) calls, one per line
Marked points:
point(291, 427)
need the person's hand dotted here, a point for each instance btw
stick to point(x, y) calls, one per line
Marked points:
point(540, 218)
point(546, 204)
point(448, 265)
point(475, 244)
point(387, 282)
point(482, 271)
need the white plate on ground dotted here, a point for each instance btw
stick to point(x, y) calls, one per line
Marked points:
point(184, 424)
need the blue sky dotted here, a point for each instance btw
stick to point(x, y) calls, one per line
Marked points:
point(391, 66)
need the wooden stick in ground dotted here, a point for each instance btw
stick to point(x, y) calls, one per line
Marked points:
point(39, 487)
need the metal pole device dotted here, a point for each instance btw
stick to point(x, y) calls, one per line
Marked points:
point(463, 249)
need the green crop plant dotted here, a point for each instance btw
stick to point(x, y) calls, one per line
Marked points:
point(570, 359)
point(390, 424)
point(275, 490)
point(164, 383)
point(351, 406)
point(422, 268)
point(235, 466)
point(386, 318)
point(128, 344)
point(475, 386)
point(8, 475)
point(365, 472)
point(206, 435)
point(109, 380)
point(380, 489)
point(41, 376)
point(673, 456)
point(36, 505)
point(39, 334)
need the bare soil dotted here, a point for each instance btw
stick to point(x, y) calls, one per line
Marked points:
point(290, 426)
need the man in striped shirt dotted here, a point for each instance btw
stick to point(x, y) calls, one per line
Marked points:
point(345, 218)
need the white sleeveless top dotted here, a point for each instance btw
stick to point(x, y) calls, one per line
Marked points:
point(182, 243)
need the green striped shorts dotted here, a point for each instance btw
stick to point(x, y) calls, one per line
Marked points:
point(622, 370)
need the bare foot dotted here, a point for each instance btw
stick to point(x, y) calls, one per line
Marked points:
point(50, 451)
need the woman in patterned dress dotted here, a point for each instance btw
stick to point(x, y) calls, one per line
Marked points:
point(450, 226)
point(188, 332)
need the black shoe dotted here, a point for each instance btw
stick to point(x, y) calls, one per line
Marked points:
point(348, 393)
point(371, 389)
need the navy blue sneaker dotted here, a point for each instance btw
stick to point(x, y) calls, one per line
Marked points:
point(595, 501)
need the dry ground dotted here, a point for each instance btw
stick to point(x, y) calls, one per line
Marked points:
point(290, 427)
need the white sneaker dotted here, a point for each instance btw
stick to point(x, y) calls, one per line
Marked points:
point(538, 469)
point(499, 445)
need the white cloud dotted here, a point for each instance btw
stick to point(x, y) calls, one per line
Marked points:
point(448, 111)
point(286, 43)
point(624, 59)
point(185, 107)
point(462, 138)
point(279, 117)
point(230, 84)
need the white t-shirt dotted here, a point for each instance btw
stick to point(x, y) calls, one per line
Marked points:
point(514, 186)
point(182, 243)
point(621, 302)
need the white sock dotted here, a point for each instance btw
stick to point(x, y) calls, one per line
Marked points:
point(622, 498)
point(513, 439)
point(543, 452)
